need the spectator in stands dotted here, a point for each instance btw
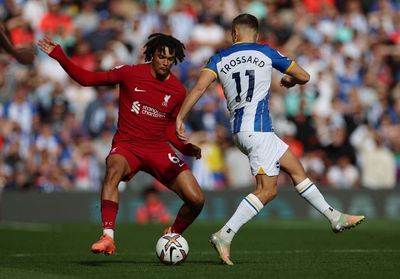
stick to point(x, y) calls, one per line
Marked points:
point(238, 174)
point(20, 180)
point(20, 109)
point(207, 37)
point(23, 56)
point(87, 19)
point(343, 174)
point(209, 170)
point(55, 21)
point(153, 209)
point(377, 161)
point(87, 169)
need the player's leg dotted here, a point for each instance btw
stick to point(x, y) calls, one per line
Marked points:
point(308, 191)
point(163, 163)
point(187, 188)
point(248, 208)
point(117, 168)
point(251, 205)
point(263, 151)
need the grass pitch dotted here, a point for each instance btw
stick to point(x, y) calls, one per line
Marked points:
point(268, 249)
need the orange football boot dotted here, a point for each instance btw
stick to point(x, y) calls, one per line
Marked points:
point(105, 245)
point(167, 231)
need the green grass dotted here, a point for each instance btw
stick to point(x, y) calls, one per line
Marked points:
point(271, 249)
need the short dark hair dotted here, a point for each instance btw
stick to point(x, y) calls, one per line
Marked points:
point(159, 41)
point(246, 19)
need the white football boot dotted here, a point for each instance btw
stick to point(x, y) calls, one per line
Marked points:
point(222, 247)
point(346, 222)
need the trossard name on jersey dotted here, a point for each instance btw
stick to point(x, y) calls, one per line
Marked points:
point(239, 60)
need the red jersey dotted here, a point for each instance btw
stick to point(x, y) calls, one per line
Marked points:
point(147, 106)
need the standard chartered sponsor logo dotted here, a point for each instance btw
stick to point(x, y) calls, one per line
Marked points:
point(137, 108)
point(153, 112)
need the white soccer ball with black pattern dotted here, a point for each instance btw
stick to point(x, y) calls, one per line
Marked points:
point(172, 248)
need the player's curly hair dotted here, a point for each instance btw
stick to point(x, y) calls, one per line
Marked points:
point(159, 41)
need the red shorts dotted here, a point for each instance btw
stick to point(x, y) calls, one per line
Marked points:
point(157, 159)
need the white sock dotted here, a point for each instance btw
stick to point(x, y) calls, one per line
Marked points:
point(109, 232)
point(308, 191)
point(247, 209)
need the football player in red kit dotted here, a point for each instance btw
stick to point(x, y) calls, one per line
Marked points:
point(149, 100)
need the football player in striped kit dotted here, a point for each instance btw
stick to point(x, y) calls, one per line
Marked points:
point(245, 70)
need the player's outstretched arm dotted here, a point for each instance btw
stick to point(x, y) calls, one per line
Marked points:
point(80, 75)
point(296, 75)
point(46, 45)
point(204, 81)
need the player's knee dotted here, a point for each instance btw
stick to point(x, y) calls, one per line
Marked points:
point(270, 195)
point(273, 193)
point(267, 195)
point(113, 172)
point(197, 201)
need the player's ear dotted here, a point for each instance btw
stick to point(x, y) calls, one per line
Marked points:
point(234, 34)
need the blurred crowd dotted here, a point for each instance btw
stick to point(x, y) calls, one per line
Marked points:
point(344, 124)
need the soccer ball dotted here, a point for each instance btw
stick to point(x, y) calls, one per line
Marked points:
point(172, 248)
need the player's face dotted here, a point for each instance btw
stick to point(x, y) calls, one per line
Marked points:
point(162, 63)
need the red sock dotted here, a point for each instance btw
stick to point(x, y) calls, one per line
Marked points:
point(181, 224)
point(109, 210)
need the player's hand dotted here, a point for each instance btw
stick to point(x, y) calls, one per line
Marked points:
point(180, 130)
point(197, 151)
point(287, 81)
point(25, 55)
point(46, 45)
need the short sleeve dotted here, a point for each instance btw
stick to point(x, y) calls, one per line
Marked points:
point(279, 61)
point(211, 66)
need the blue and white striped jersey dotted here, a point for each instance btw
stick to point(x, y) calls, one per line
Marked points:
point(244, 70)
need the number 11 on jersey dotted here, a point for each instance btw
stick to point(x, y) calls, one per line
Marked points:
point(250, 89)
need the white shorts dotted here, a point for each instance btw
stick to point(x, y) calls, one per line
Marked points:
point(264, 149)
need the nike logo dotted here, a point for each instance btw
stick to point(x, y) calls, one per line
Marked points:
point(181, 164)
point(137, 89)
point(171, 251)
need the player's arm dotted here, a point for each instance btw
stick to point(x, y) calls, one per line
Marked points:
point(23, 56)
point(205, 79)
point(80, 75)
point(295, 75)
point(187, 149)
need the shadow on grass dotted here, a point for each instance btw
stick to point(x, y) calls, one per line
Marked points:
point(130, 262)
point(104, 263)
